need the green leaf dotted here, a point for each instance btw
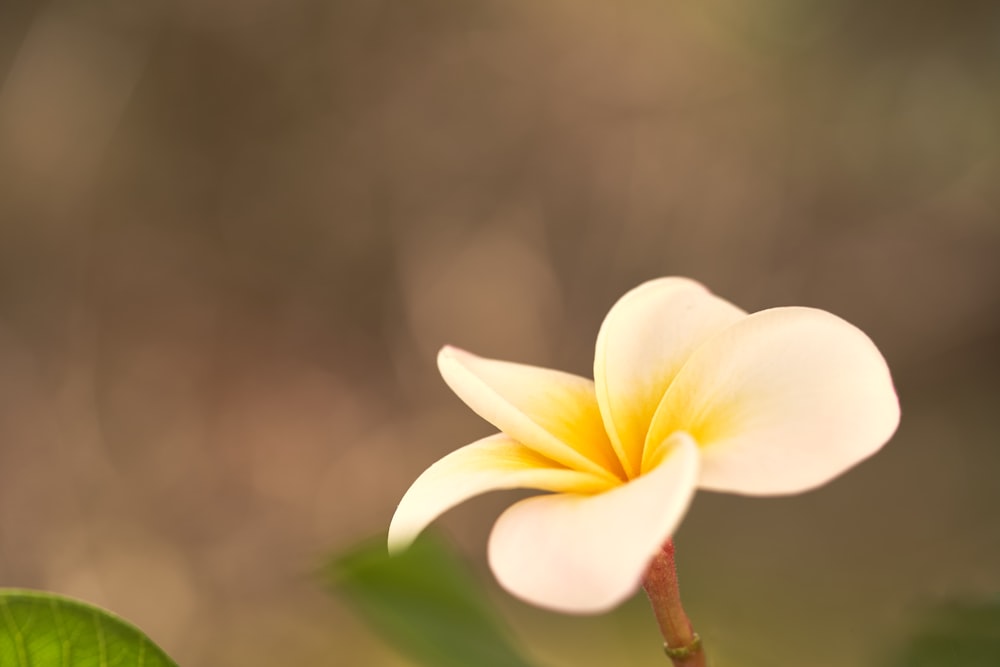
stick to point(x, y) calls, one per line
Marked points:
point(41, 630)
point(425, 603)
point(955, 634)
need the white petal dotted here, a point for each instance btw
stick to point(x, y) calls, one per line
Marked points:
point(552, 412)
point(645, 339)
point(781, 402)
point(493, 463)
point(586, 554)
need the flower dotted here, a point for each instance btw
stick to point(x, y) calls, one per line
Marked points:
point(689, 392)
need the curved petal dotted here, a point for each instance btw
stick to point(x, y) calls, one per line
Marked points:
point(551, 412)
point(781, 402)
point(490, 464)
point(645, 339)
point(586, 554)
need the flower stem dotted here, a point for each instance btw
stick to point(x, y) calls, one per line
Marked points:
point(683, 646)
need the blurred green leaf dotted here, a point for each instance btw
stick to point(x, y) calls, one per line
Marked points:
point(956, 634)
point(41, 629)
point(425, 603)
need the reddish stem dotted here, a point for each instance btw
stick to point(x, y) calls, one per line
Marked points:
point(682, 643)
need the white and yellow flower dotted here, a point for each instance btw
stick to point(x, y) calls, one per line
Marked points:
point(689, 392)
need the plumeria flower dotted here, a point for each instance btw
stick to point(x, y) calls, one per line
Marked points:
point(689, 392)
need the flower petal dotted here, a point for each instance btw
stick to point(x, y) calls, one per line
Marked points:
point(490, 464)
point(781, 402)
point(586, 554)
point(645, 339)
point(551, 412)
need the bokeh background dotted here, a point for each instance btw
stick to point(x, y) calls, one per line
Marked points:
point(234, 234)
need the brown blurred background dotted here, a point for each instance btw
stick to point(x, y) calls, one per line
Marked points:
point(234, 234)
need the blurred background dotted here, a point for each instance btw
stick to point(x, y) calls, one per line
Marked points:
point(233, 236)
